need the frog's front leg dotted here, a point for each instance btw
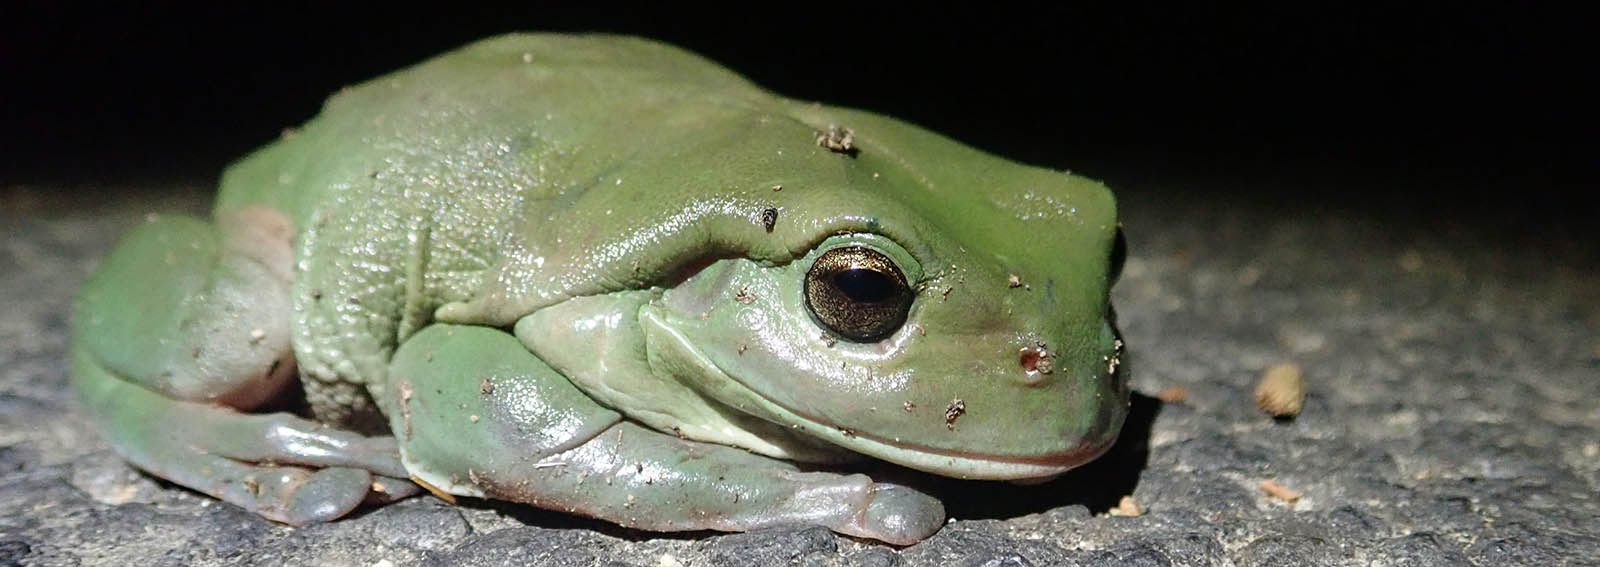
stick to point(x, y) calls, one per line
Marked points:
point(184, 324)
point(479, 415)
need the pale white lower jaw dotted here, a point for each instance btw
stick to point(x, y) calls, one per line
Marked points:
point(692, 367)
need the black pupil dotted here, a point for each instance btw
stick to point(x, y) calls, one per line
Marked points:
point(862, 285)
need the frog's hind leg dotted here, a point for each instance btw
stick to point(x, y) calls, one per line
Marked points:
point(479, 415)
point(183, 323)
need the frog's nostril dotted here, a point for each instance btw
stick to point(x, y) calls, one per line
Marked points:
point(1036, 361)
point(1030, 358)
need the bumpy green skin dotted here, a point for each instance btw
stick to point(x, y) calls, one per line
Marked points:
point(593, 211)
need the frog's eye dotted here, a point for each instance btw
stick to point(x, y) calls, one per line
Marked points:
point(857, 292)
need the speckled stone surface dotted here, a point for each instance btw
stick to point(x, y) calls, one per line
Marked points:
point(1452, 415)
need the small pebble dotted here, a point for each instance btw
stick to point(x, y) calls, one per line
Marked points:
point(1281, 492)
point(1173, 394)
point(1127, 507)
point(1282, 390)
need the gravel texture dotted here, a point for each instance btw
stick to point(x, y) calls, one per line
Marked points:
point(1452, 371)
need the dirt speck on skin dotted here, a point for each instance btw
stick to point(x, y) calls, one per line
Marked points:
point(405, 390)
point(744, 296)
point(769, 218)
point(1281, 391)
point(953, 412)
point(838, 139)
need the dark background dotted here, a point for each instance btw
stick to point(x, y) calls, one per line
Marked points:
point(1469, 112)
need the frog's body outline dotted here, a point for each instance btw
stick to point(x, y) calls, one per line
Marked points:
point(559, 270)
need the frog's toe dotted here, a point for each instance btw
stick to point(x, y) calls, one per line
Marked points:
point(386, 489)
point(900, 515)
point(324, 495)
point(293, 495)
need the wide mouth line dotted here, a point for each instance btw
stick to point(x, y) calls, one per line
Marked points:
point(1064, 459)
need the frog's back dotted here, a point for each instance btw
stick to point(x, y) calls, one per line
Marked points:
point(489, 115)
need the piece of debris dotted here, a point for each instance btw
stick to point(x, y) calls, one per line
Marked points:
point(838, 139)
point(908, 405)
point(953, 412)
point(1173, 394)
point(1282, 390)
point(744, 296)
point(1115, 358)
point(1012, 281)
point(1281, 492)
point(777, 188)
point(485, 387)
point(769, 218)
point(440, 494)
point(1126, 507)
point(405, 407)
point(827, 340)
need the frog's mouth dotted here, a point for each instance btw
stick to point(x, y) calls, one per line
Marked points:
point(672, 354)
point(972, 465)
point(969, 464)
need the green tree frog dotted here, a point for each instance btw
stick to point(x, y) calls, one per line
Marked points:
point(606, 276)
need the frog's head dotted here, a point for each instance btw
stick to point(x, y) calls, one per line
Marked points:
point(898, 295)
point(949, 314)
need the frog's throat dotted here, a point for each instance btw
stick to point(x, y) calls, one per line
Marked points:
point(672, 354)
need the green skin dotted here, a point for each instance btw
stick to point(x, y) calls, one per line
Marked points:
point(540, 268)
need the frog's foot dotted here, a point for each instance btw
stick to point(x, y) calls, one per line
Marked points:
point(182, 325)
point(641, 478)
point(478, 415)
